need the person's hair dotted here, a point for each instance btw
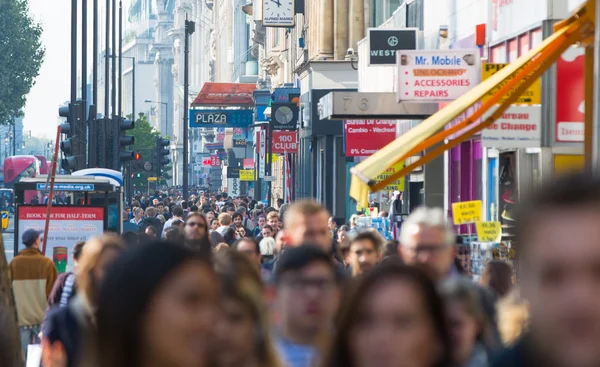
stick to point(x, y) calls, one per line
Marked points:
point(161, 218)
point(177, 211)
point(564, 193)
point(513, 317)
point(297, 258)
point(152, 229)
point(303, 208)
point(126, 295)
point(430, 218)
point(371, 236)
point(173, 234)
point(130, 238)
point(340, 353)
point(242, 209)
point(214, 220)
point(261, 216)
point(77, 249)
point(203, 245)
point(194, 208)
point(151, 212)
point(91, 253)
point(246, 239)
point(272, 215)
point(391, 248)
point(237, 215)
point(497, 276)
point(467, 294)
point(229, 236)
point(225, 219)
point(267, 227)
point(221, 247)
point(267, 246)
point(176, 223)
point(138, 210)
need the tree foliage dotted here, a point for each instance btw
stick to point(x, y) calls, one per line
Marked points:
point(21, 56)
point(144, 143)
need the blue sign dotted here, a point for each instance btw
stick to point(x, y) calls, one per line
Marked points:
point(67, 187)
point(260, 113)
point(220, 118)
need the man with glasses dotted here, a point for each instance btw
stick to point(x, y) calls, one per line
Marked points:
point(306, 299)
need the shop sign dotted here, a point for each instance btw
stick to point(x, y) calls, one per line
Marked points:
point(225, 94)
point(233, 187)
point(533, 94)
point(570, 96)
point(285, 142)
point(383, 44)
point(215, 161)
point(489, 231)
point(248, 163)
point(262, 154)
point(207, 162)
point(518, 127)
point(466, 212)
point(247, 175)
point(233, 172)
point(220, 118)
point(238, 133)
point(365, 137)
point(397, 184)
point(239, 143)
point(437, 75)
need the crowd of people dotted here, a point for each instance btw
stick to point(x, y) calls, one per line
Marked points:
point(230, 282)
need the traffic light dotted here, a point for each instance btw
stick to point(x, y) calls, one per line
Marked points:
point(137, 165)
point(161, 156)
point(120, 154)
point(74, 129)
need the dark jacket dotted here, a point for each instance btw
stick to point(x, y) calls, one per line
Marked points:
point(154, 222)
point(518, 355)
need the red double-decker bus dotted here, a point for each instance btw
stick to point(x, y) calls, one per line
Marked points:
point(21, 166)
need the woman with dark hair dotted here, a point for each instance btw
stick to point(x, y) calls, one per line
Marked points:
point(195, 233)
point(160, 315)
point(242, 338)
point(497, 277)
point(393, 316)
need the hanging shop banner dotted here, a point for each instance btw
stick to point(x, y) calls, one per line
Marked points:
point(214, 146)
point(518, 127)
point(365, 137)
point(68, 225)
point(383, 44)
point(247, 175)
point(262, 154)
point(489, 231)
point(233, 187)
point(225, 94)
point(248, 163)
point(398, 184)
point(436, 75)
point(215, 161)
point(284, 116)
point(532, 96)
point(220, 118)
point(239, 143)
point(570, 95)
point(466, 212)
point(285, 142)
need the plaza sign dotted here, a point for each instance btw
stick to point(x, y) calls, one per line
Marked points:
point(220, 118)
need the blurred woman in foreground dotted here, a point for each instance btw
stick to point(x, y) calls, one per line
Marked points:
point(243, 338)
point(393, 317)
point(157, 308)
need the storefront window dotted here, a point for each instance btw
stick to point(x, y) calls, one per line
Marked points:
point(382, 10)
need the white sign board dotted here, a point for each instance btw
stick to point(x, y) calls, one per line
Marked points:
point(262, 153)
point(68, 225)
point(233, 187)
point(436, 75)
point(519, 127)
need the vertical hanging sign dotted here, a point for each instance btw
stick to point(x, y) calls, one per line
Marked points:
point(262, 152)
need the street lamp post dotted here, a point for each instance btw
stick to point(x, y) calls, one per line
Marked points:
point(129, 171)
point(166, 111)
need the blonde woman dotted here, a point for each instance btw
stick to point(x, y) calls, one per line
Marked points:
point(69, 327)
point(242, 338)
point(513, 317)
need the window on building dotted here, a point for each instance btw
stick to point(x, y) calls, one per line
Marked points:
point(382, 10)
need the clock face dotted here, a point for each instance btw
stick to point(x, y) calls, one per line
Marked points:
point(284, 115)
point(278, 13)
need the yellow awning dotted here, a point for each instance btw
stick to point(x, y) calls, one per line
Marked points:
point(518, 76)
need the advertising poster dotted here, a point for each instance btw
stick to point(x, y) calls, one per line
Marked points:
point(68, 225)
point(365, 137)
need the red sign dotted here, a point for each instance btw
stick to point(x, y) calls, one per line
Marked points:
point(570, 95)
point(207, 162)
point(285, 142)
point(215, 161)
point(248, 163)
point(365, 137)
point(225, 94)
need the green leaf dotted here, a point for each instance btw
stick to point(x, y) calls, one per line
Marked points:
point(21, 56)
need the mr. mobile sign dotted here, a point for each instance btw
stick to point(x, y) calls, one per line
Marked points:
point(436, 75)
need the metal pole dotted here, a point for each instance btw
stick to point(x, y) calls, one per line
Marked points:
point(107, 62)
point(14, 139)
point(73, 50)
point(84, 56)
point(596, 121)
point(189, 28)
point(133, 118)
point(120, 58)
point(114, 60)
point(269, 163)
point(95, 57)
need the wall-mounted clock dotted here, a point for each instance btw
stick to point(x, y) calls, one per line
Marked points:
point(284, 116)
point(278, 13)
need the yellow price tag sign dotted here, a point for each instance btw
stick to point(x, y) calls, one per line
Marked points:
point(533, 94)
point(398, 184)
point(246, 175)
point(466, 212)
point(489, 231)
